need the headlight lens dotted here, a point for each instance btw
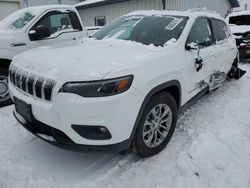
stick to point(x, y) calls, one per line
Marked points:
point(100, 88)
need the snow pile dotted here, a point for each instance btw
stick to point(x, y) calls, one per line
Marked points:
point(210, 148)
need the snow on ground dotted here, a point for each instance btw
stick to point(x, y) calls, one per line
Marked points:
point(210, 149)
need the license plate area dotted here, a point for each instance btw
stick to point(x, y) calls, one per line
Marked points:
point(24, 109)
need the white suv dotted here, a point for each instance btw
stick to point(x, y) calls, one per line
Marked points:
point(126, 86)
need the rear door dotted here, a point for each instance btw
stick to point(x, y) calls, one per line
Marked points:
point(225, 47)
point(201, 36)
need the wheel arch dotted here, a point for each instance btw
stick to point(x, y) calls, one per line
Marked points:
point(173, 87)
point(4, 63)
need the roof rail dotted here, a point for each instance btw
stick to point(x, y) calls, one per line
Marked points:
point(201, 10)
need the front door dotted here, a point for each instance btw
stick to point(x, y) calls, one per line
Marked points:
point(62, 25)
point(199, 57)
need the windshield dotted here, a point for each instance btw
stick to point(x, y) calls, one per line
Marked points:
point(17, 20)
point(156, 30)
point(240, 20)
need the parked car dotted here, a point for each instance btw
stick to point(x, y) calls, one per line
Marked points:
point(240, 27)
point(127, 85)
point(32, 27)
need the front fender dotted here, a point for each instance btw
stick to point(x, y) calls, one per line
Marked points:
point(7, 54)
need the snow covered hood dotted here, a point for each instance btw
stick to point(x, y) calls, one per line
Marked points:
point(88, 60)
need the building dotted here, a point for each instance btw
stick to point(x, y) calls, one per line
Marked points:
point(28, 3)
point(100, 12)
point(7, 7)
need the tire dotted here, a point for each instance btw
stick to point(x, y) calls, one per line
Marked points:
point(4, 96)
point(145, 131)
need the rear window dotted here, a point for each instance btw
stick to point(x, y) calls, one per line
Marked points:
point(240, 20)
point(220, 30)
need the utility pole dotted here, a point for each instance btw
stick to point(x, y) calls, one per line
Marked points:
point(164, 4)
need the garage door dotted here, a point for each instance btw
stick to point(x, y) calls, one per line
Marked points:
point(7, 7)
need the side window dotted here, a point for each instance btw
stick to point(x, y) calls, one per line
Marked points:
point(56, 21)
point(220, 30)
point(201, 33)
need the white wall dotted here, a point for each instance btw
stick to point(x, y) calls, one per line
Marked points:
point(220, 6)
point(7, 7)
point(113, 11)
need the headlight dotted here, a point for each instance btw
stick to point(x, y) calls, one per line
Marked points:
point(100, 88)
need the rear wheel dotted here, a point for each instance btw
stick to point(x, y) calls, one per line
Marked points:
point(156, 126)
point(4, 90)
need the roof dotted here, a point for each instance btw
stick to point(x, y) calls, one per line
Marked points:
point(95, 3)
point(189, 13)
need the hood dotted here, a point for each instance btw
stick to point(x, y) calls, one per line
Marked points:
point(239, 29)
point(88, 60)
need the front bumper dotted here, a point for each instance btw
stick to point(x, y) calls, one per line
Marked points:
point(117, 113)
point(58, 138)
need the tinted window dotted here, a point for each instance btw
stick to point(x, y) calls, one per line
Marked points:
point(201, 33)
point(56, 22)
point(240, 20)
point(220, 30)
point(156, 30)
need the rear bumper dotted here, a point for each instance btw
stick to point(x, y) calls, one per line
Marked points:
point(58, 138)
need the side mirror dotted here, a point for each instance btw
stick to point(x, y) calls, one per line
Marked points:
point(192, 46)
point(39, 33)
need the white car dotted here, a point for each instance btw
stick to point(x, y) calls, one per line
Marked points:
point(239, 23)
point(32, 27)
point(126, 86)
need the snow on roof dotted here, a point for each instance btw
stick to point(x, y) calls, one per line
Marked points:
point(188, 13)
point(234, 3)
point(38, 9)
point(239, 13)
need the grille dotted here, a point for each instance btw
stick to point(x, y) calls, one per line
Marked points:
point(34, 85)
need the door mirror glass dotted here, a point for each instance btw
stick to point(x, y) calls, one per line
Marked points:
point(40, 32)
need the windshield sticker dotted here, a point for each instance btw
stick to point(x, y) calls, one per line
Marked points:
point(173, 24)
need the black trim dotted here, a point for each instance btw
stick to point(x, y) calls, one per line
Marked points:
point(193, 100)
point(92, 132)
point(97, 4)
point(69, 144)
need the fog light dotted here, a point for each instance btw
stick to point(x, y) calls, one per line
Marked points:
point(92, 132)
point(103, 129)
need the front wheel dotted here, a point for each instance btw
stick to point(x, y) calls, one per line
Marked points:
point(156, 126)
point(4, 90)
